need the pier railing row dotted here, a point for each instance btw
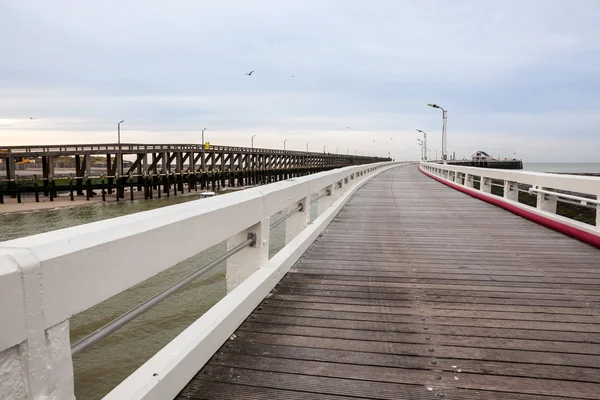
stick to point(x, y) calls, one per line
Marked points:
point(568, 203)
point(47, 278)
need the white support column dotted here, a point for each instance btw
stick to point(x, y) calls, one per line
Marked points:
point(458, 178)
point(485, 185)
point(469, 181)
point(544, 203)
point(297, 222)
point(247, 261)
point(40, 367)
point(511, 191)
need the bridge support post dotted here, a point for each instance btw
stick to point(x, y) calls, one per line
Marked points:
point(485, 185)
point(545, 203)
point(37, 362)
point(247, 261)
point(511, 191)
point(297, 222)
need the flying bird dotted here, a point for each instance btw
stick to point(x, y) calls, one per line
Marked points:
point(31, 118)
point(250, 73)
point(348, 127)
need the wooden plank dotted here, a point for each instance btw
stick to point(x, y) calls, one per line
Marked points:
point(416, 291)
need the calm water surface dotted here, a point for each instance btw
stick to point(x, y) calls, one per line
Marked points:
point(107, 363)
point(562, 167)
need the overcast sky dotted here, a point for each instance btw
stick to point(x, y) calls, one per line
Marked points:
point(518, 76)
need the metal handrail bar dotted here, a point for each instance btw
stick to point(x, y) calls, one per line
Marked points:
point(299, 207)
point(583, 200)
point(327, 193)
point(138, 310)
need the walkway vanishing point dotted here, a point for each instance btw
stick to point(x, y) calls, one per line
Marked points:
point(413, 290)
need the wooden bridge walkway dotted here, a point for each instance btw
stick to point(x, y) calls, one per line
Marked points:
point(417, 291)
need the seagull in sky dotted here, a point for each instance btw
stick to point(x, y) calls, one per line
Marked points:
point(348, 127)
point(250, 73)
point(31, 118)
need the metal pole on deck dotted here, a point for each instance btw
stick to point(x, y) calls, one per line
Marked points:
point(444, 120)
point(119, 132)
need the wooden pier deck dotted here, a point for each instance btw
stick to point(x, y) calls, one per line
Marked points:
point(417, 291)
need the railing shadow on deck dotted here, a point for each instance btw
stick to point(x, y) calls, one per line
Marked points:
point(47, 278)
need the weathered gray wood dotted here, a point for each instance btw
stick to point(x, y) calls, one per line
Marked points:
point(416, 291)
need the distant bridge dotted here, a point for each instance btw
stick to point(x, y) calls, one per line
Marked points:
point(157, 166)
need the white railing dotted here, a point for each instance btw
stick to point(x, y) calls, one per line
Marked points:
point(45, 279)
point(548, 189)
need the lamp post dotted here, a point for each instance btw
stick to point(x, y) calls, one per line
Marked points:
point(421, 143)
point(324, 147)
point(435, 155)
point(252, 141)
point(307, 146)
point(444, 120)
point(203, 136)
point(348, 151)
point(284, 143)
point(424, 143)
point(337, 150)
point(119, 132)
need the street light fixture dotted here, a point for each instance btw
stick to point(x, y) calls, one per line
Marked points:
point(119, 132)
point(337, 150)
point(284, 143)
point(421, 143)
point(444, 120)
point(424, 142)
point(324, 147)
point(203, 136)
point(252, 141)
point(307, 146)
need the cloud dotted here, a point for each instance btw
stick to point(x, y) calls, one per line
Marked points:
point(525, 72)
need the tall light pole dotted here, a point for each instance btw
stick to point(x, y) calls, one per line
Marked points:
point(284, 143)
point(435, 155)
point(337, 150)
point(324, 147)
point(348, 151)
point(424, 143)
point(252, 141)
point(421, 143)
point(119, 132)
point(307, 146)
point(203, 136)
point(444, 119)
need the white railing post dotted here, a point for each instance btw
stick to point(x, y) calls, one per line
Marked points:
point(246, 262)
point(598, 213)
point(469, 180)
point(39, 364)
point(458, 178)
point(485, 185)
point(511, 191)
point(297, 222)
point(545, 203)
